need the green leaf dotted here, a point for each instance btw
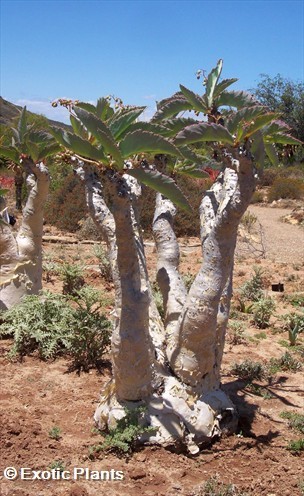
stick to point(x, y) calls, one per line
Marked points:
point(32, 150)
point(171, 106)
point(11, 153)
point(173, 126)
point(163, 184)
point(102, 134)
point(39, 137)
point(48, 150)
point(222, 86)
point(144, 141)
point(258, 123)
point(203, 132)
point(272, 154)
point(190, 155)
point(193, 172)
point(3, 191)
point(78, 145)
point(78, 128)
point(243, 117)
point(195, 100)
point(275, 127)
point(122, 121)
point(283, 139)
point(212, 80)
point(258, 148)
point(102, 108)
point(89, 107)
point(22, 124)
point(235, 99)
point(146, 126)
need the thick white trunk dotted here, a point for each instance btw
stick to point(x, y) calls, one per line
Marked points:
point(21, 258)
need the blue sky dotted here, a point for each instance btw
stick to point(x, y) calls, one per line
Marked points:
point(141, 50)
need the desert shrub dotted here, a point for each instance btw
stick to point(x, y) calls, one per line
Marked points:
point(188, 280)
point(293, 172)
point(295, 420)
point(104, 262)
point(248, 370)
point(91, 333)
point(262, 311)
point(253, 289)
point(257, 197)
point(214, 487)
point(236, 332)
point(286, 188)
point(293, 323)
point(287, 362)
point(269, 175)
point(158, 299)
point(123, 437)
point(248, 221)
point(49, 324)
point(42, 323)
point(72, 277)
point(296, 447)
point(66, 206)
point(87, 230)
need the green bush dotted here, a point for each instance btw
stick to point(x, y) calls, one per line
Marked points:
point(72, 277)
point(262, 311)
point(66, 206)
point(294, 325)
point(253, 289)
point(286, 188)
point(49, 324)
point(248, 370)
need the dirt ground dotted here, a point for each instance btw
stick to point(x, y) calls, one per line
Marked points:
point(37, 395)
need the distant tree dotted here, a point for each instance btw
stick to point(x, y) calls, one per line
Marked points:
point(284, 96)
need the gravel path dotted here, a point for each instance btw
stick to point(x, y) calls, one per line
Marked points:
point(283, 242)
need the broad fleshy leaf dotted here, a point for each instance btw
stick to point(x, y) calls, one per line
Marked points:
point(48, 150)
point(144, 141)
point(102, 108)
point(283, 139)
point(195, 100)
point(89, 107)
point(272, 154)
point(258, 123)
point(258, 148)
point(212, 80)
point(190, 155)
point(39, 137)
point(146, 126)
point(223, 85)
point(163, 184)
point(22, 124)
point(235, 99)
point(243, 117)
point(102, 134)
point(193, 171)
point(32, 150)
point(203, 132)
point(78, 145)
point(171, 106)
point(78, 128)
point(10, 153)
point(175, 125)
point(122, 121)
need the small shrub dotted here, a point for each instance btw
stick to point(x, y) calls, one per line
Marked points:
point(236, 333)
point(286, 188)
point(188, 280)
point(66, 206)
point(158, 299)
point(262, 311)
point(296, 300)
point(72, 277)
point(257, 197)
point(91, 334)
point(269, 175)
point(286, 362)
point(248, 370)
point(57, 465)
point(103, 262)
point(248, 221)
point(214, 487)
point(124, 436)
point(295, 420)
point(296, 447)
point(253, 289)
point(42, 323)
point(88, 230)
point(55, 433)
point(294, 324)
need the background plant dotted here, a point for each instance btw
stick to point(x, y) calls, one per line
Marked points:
point(262, 311)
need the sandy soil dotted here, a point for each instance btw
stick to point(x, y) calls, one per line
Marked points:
point(36, 396)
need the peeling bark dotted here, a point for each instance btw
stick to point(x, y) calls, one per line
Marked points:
point(21, 258)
